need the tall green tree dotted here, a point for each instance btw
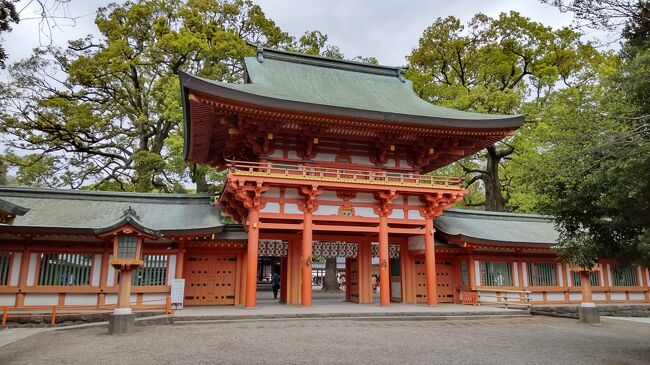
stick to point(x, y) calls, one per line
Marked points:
point(109, 108)
point(593, 172)
point(8, 15)
point(496, 65)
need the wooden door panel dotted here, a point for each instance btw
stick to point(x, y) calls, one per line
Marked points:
point(210, 279)
point(354, 280)
point(444, 281)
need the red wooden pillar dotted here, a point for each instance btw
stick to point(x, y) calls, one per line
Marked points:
point(384, 269)
point(586, 286)
point(348, 277)
point(430, 262)
point(306, 259)
point(251, 258)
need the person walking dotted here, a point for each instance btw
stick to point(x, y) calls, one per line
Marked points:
point(275, 284)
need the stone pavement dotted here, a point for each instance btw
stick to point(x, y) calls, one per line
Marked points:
point(10, 335)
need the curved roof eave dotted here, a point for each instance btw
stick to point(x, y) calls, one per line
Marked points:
point(189, 82)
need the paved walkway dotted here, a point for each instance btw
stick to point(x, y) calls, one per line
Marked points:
point(645, 320)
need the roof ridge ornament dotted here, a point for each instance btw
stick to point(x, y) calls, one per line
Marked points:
point(260, 54)
point(130, 212)
point(400, 72)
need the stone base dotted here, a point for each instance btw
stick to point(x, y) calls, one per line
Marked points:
point(588, 313)
point(121, 323)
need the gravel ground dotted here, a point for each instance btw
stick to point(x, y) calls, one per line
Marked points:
point(477, 341)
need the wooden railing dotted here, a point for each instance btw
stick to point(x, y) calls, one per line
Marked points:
point(503, 297)
point(301, 172)
point(54, 311)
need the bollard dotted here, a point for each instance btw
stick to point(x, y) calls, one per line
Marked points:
point(4, 317)
point(53, 315)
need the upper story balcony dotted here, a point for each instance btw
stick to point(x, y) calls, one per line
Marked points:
point(339, 175)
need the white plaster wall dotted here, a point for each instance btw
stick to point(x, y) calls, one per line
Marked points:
point(416, 242)
point(361, 160)
point(536, 297)
point(640, 275)
point(477, 273)
point(111, 299)
point(157, 298)
point(325, 157)
point(328, 210)
point(399, 200)
point(97, 270)
point(364, 198)
point(31, 272)
point(291, 209)
point(597, 296)
point(292, 154)
point(637, 296)
point(171, 269)
point(397, 213)
point(390, 162)
point(569, 281)
point(291, 193)
point(15, 269)
point(41, 299)
point(524, 273)
point(80, 299)
point(414, 200)
point(575, 296)
point(515, 279)
point(560, 277)
point(277, 153)
point(328, 195)
point(609, 277)
point(272, 193)
point(602, 277)
point(618, 295)
point(414, 214)
point(133, 298)
point(487, 296)
point(271, 208)
point(403, 163)
point(110, 277)
point(8, 299)
point(555, 297)
point(365, 212)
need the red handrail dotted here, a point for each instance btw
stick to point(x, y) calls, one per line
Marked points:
point(290, 170)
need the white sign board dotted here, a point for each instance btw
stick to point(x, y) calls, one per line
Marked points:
point(178, 291)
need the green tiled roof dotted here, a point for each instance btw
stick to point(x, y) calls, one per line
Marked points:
point(495, 227)
point(298, 82)
point(96, 210)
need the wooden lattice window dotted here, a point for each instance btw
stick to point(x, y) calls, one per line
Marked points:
point(464, 273)
point(65, 269)
point(593, 278)
point(5, 263)
point(126, 246)
point(541, 274)
point(496, 273)
point(153, 272)
point(624, 275)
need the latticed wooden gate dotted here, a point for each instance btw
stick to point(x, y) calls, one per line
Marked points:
point(420, 281)
point(444, 281)
point(353, 280)
point(210, 279)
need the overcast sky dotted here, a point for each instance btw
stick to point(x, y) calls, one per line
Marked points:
point(387, 30)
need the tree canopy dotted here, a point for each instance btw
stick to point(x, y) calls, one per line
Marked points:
point(504, 65)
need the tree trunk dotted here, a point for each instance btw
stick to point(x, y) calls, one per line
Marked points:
point(494, 201)
point(330, 282)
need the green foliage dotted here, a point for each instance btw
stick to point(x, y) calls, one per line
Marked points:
point(8, 15)
point(500, 65)
point(114, 118)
